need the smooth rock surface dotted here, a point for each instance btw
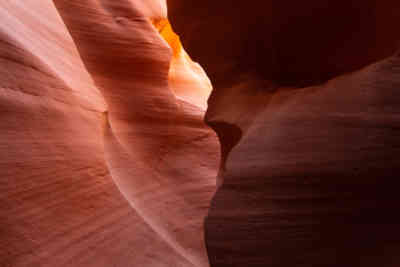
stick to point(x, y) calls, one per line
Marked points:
point(306, 106)
point(105, 159)
point(70, 138)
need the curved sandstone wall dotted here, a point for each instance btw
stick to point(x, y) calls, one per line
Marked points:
point(306, 106)
point(106, 161)
point(85, 116)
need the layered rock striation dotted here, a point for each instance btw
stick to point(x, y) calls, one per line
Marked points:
point(306, 106)
point(106, 160)
point(85, 116)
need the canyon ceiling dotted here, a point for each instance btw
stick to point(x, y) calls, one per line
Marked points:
point(178, 133)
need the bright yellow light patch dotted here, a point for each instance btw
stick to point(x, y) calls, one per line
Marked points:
point(186, 78)
point(164, 28)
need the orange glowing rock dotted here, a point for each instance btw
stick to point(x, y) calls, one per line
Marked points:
point(186, 78)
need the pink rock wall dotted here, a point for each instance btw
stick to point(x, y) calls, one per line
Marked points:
point(105, 159)
point(85, 116)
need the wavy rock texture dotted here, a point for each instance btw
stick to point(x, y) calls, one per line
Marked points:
point(105, 159)
point(306, 104)
point(77, 122)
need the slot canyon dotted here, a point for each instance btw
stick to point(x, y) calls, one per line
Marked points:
point(176, 133)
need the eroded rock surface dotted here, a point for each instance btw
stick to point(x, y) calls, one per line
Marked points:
point(82, 116)
point(106, 161)
point(306, 104)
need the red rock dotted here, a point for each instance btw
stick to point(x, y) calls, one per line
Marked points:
point(105, 159)
point(308, 126)
point(63, 146)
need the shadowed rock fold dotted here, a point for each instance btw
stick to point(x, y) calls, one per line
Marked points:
point(313, 89)
point(105, 159)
